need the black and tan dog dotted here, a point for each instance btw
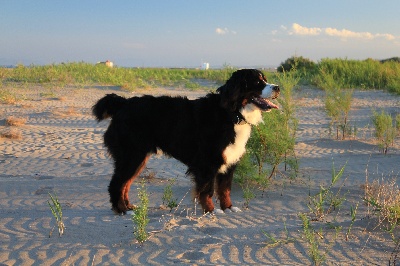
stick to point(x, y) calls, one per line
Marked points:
point(208, 134)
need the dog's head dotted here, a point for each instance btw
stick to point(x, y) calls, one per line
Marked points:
point(247, 91)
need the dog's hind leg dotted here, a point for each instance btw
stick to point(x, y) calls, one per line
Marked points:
point(205, 190)
point(126, 170)
point(127, 184)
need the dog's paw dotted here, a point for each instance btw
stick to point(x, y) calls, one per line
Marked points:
point(234, 209)
point(218, 211)
point(227, 210)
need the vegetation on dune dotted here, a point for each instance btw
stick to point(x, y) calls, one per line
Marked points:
point(127, 78)
point(360, 74)
point(364, 74)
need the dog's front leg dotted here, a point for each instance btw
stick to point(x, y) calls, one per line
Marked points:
point(224, 184)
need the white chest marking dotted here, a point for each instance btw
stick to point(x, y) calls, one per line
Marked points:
point(234, 151)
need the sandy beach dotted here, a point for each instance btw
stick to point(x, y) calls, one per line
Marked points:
point(60, 150)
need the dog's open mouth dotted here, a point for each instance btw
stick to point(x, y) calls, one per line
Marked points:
point(264, 104)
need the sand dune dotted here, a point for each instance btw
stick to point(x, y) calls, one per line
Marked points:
point(60, 151)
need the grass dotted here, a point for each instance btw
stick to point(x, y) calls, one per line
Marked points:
point(363, 74)
point(360, 74)
point(353, 213)
point(384, 198)
point(15, 121)
point(56, 210)
point(325, 200)
point(7, 97)
point(273, 241)
point(313, 239)
point(84, 74)
point(11, 133)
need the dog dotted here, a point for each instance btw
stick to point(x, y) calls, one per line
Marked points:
point(208, 135)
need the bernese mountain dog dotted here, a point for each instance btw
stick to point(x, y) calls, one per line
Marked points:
point(208, 135)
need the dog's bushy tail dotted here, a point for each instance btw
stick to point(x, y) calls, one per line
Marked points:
point(108, 106)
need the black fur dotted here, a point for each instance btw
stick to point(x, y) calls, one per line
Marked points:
point(196, 132)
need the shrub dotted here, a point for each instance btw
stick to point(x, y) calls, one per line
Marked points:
point(272, 142)
point(337, 101)
point(384, 197)
point(140, 215)
point(15, 121)
point(298, 63)
point(385, 131)
point(8, 97)
point(168, 196)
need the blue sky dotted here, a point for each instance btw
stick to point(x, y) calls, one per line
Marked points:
point(186, 33)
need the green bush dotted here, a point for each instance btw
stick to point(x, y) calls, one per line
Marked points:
point(337, 101)
point(140, 215)
point(296, 63)
point(365, 74)
point(385, 130)
point(272, 142)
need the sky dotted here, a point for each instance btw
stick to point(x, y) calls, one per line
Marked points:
point(188, 33)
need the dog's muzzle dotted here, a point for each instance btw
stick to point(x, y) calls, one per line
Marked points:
point(270, 91)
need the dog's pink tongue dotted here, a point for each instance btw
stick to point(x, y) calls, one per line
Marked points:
point(271, 104)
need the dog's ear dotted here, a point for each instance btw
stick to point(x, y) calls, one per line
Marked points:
point(230, 92)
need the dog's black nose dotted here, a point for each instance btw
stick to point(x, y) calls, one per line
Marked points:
point(276, 88)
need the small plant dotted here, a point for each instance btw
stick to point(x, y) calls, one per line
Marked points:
point(15, 121)
point(56, 210)
point(140, 215)
point(313, 239)
point(168, 196)
point(353, 213)
point(395, 253)
point(325, 196)
point(384, 197)
point(385, 131)
point(7, 97)
point(337, 102)
point(273, 241)
point(11, 133)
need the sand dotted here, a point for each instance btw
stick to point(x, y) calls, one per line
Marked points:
point(60, 151)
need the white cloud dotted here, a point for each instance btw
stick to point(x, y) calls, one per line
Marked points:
point(300, 30)
point(387, 36)
point(297, 29)
point(348, 34)
point(223, 31)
